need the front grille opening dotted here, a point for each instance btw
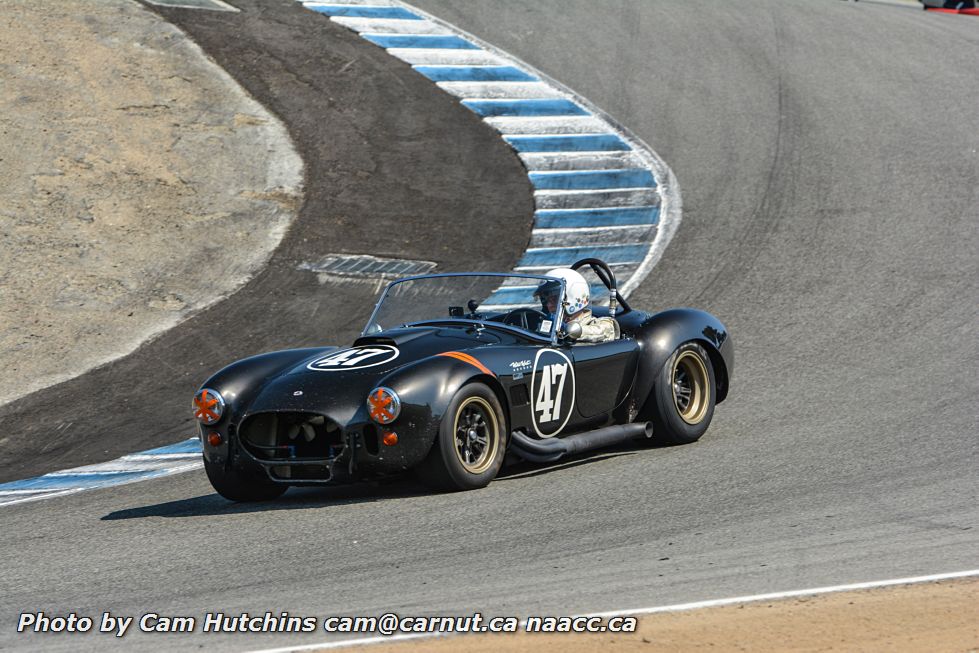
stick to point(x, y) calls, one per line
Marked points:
point(370, 439)
point(291, 436)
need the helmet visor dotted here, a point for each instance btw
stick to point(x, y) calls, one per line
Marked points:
point(549, 294)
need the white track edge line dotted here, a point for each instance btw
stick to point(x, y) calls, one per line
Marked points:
point(550, 192)
point(772, 596)
point(677, 607)
point(595, 230)
point(152, 475)
point(46, 495)
point(343, 643)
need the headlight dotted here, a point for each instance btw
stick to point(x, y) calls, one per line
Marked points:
point(383, 405)
point(208, 406)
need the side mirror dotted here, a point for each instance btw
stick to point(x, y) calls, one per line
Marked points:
point(571, 331)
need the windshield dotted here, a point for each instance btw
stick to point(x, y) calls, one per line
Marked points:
point(524, 302)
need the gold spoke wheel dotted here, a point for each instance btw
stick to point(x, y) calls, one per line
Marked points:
point(691, 387)
point(477, 435)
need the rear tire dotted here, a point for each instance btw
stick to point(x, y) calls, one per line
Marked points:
point(238, 486)
point(683, 397)
point(469, 449)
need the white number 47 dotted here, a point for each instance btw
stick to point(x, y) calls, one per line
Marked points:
point(351, 357)
point(549, 402)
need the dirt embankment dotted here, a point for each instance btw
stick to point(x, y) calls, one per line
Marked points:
point(928, 617)
point(140, 184)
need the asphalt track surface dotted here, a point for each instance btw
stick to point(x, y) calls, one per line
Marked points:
point(827, 155)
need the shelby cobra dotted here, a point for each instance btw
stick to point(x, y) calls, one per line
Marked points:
point(452, 372)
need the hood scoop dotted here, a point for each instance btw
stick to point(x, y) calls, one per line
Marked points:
point(395, 336)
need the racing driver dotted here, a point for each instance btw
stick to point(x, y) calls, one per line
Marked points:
point(576, 306)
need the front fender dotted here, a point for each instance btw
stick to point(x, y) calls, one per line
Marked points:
point(425, 389)
point(660, 334)
point(240, 382)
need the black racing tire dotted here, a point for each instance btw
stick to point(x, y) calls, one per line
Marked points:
point(241, 487)
point(471, 443)
point(683, 396)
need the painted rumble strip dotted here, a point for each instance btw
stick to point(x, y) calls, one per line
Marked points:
point(599, 190)
point(678, 607)
point(142, 466)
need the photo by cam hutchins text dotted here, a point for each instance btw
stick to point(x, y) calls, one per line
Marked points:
point(152, 622)
point(387, 624)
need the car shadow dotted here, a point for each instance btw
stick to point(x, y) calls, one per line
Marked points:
point(523, 469)
point(529, 470)
point(364, 492)
point(295, 498)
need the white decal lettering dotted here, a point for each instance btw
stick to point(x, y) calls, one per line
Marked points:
point(355, 358)
point(544, 402)
point(561, 370)
point(550, 406)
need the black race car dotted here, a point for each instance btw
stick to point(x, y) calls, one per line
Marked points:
point(452, 373)
point(951, 6)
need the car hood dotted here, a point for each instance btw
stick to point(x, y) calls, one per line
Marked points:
point(338, 396)
point(336, 384)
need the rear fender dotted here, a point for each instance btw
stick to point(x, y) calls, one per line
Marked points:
point(661, 333)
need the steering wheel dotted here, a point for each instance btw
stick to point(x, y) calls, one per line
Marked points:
point(526, 318)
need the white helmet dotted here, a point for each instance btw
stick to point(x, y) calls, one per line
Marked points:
point(576, 291)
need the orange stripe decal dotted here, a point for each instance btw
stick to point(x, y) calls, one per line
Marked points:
point(466, 358)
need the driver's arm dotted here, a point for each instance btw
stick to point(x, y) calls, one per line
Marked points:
point(599, 329)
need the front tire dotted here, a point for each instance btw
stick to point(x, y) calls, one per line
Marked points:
point(470, 446)
point(238, 486)
point(683, 397)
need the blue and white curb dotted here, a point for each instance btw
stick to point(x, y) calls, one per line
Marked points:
point(154, 463)
point(599, 191)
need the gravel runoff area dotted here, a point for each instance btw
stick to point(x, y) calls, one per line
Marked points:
point(140, 184)
point(932, 617)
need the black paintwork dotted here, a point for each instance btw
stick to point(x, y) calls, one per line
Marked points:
point(592, 385)
point(949, 4)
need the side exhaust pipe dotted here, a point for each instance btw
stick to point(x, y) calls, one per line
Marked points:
point(551, 449)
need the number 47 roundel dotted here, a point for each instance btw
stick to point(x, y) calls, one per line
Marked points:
point(355, 359)
point(553, 392)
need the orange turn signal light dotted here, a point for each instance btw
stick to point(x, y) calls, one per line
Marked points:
point(214, 439)
point(390, 439)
